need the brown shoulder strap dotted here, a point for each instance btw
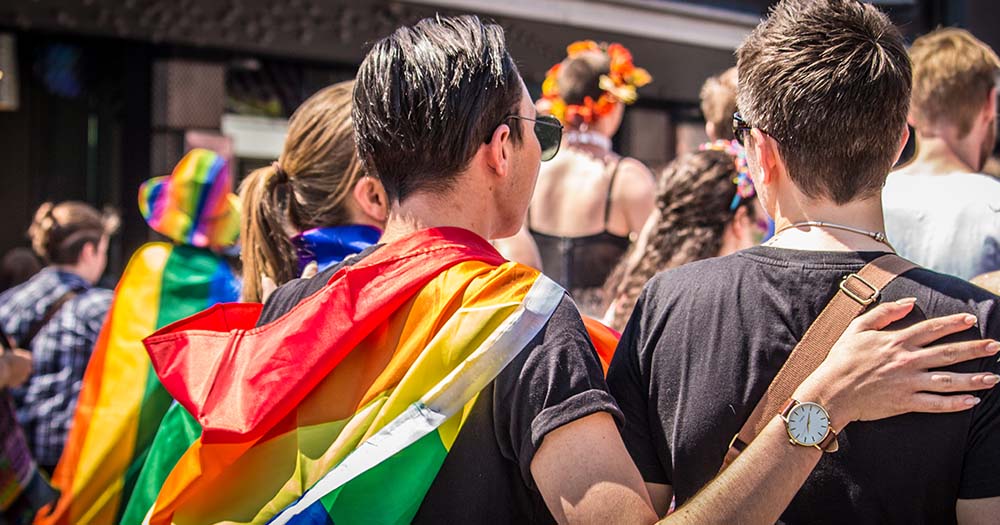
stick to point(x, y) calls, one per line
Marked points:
point(49, 314)
point(857, 292)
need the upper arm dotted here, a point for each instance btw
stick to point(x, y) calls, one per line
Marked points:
point(635, 193)
point(630, 387)
point(977, 511)
point(604, 488)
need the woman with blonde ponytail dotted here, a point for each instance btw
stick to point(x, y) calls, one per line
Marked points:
point(314, 205)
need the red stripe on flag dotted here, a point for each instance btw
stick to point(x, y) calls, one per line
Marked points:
point(240, 381)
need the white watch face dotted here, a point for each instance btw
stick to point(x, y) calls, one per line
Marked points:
point(808, 424)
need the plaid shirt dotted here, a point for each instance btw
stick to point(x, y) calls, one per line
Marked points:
point(61, 350)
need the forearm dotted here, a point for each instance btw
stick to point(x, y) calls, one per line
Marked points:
point(757, 487)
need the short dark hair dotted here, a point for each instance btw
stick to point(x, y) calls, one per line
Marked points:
point(428, 96)
point(830, 81)
point(580, 76)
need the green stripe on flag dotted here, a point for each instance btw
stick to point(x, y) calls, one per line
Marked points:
point(392, 491)
point(178, 432)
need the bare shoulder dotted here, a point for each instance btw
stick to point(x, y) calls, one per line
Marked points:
point(634, 180)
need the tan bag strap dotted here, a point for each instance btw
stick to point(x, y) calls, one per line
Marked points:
point(857, 292)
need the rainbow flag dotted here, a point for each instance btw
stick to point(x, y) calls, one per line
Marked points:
point(367, 380)
point(122, 401)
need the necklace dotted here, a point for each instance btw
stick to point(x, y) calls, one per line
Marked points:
point(589, 137)
point(877, 236)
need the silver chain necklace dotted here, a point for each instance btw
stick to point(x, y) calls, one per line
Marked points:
point(877, 236)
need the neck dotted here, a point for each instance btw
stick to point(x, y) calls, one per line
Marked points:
point(938, 155)
point(863, 214)
point(76, 270)
point(423, 210)
point(590, 139)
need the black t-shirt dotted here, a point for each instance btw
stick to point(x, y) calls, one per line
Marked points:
point(706, 340)
point(486, 477)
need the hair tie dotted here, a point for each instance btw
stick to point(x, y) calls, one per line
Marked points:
point(280, 176)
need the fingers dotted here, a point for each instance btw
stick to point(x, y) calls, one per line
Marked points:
point(926, 332)
point(267, 287)
point(945, 382)
point(933, 403)
point(883, 315)
point(948, 354)
point(310, 270)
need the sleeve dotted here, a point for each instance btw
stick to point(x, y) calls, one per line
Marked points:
point(556, 380)
point(980, 476)
point(630, 389)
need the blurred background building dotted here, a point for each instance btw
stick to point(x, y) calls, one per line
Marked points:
point(98, 95)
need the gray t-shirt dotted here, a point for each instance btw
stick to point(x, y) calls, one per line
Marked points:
point(949, 223)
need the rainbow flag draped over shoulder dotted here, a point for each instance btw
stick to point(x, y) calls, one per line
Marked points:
point(122, 401)
point(369, 379)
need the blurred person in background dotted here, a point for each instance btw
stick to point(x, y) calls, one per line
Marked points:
point(705, 207)
point(57, 315)
point(301, 215)
point(718, 103)
point(122, 402)
point(589, 200)
point(941, 211)
point(315, 204)
point(18, 265)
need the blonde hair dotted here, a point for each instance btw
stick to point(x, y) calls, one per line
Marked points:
point(718, 103)
point(308, 187)
point(953, 72)
point(59, 232)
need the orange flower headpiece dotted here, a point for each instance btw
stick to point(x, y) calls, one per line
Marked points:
point(618, 85)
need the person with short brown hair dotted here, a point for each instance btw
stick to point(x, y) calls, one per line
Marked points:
point(823, 94)
point(941, 209)
point(718, 103)
point(57, 315)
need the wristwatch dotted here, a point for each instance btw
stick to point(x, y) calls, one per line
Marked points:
point(808, 425)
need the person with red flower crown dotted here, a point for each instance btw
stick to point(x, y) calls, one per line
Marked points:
point(589, 200)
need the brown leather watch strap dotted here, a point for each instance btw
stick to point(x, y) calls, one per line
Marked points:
point(857, 292)
point(829, 441)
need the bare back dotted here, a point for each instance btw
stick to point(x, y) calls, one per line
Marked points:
point(580, 193)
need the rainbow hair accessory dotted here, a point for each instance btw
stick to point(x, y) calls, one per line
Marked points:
point(194, 205)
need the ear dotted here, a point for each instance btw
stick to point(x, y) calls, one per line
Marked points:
point(89, 251)
point(740, 222)
point(710, 129)
point(371, 198)
point(991, 105)
point(768, 156)
point(496, 152)
point(903, 138)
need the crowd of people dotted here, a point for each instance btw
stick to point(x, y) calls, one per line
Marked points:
point(453, 303)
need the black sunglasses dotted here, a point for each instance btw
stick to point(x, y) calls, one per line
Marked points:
point(548, 130)
point(741, 128)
